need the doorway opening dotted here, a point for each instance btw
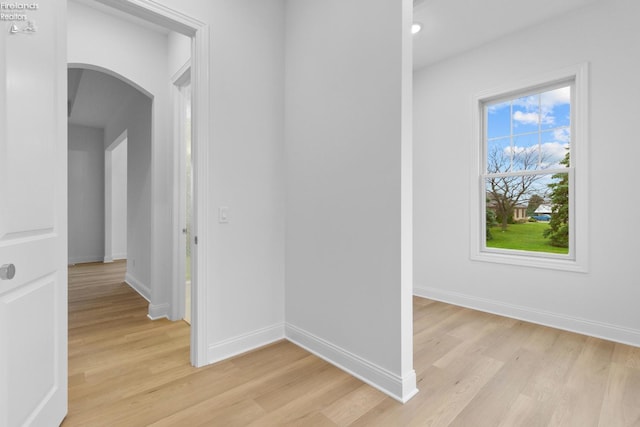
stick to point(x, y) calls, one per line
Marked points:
point(169, 284)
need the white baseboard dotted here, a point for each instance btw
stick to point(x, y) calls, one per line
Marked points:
point(138, 286)
point(243, 343)
point(114, 257)
point(158, 311)
point(85, 259)
point(555, 320)
point(400, 388)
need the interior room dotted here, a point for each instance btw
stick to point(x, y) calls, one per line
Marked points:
point(347, 222)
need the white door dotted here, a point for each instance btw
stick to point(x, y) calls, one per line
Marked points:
point(33, 214)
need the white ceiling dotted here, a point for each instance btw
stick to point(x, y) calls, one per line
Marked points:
point(98, 98)
point(450, 27)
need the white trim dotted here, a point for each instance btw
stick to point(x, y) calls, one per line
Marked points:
point(138, 286)
point(85, 259)
point(400, 388)
point(158, 311)
point(183, 75)
point(407, 380)
point(244, 343)
point(114, 257)
point(200, 117)
point(200, 80)
point(578, 258)
point(179, 80)
point(578, 325)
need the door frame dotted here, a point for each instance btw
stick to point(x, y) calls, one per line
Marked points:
point(198, 31)
point(179, 80)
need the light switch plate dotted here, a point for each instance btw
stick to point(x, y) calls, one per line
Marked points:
point(223, 215)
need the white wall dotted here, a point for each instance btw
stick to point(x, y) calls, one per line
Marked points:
point(246, 265)
point(86, 194)
point(135, 117)
point(602, 302)
point(119, 201)
point(347, 80)
point(179, 52)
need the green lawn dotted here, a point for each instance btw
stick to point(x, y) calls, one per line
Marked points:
point(526, 237)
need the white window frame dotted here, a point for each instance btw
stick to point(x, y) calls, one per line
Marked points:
point(577, 259)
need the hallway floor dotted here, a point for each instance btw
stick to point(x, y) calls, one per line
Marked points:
point(474, 369)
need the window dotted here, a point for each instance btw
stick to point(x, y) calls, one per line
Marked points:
point(530, 155)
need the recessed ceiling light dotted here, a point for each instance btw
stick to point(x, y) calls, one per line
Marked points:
point(416, 27)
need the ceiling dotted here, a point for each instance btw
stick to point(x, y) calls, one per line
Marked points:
point(94, 97)
point(450, 27)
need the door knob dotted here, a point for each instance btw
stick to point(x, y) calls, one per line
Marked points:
point(7, 272)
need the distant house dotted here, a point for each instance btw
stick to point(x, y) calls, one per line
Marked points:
point(543, 209)
point(519, 211)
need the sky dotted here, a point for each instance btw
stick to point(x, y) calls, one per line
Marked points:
point(537, 125)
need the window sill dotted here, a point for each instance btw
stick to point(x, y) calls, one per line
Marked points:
point(527, 259)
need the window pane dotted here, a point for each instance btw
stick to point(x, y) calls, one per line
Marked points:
point(499, 155)
point(526, 152)
point(528, 213)
point(555, 146)
point(526, 114)
point(499, 120)
point(556, 108)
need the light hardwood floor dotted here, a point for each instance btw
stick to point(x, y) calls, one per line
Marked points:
point(474, 369)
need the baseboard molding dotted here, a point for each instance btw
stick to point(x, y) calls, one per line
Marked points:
point(243, 343)
point(400, 388)
point(85, 259)
point(555, 320)
point(138, 286)
point(114, 257)
point(158, 311)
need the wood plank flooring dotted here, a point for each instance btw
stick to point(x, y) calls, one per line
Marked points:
point(474, 369)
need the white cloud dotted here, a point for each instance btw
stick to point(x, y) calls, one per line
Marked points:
point(555, 151)
point(550, 154)
point(562, 135)
point(526, 118)
point(556, 97)
point(544, 103)
point(517, 149)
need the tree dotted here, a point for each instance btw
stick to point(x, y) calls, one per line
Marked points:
point(558, 231)
point(534, 202)
point(506, 192)
point(491, 221)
